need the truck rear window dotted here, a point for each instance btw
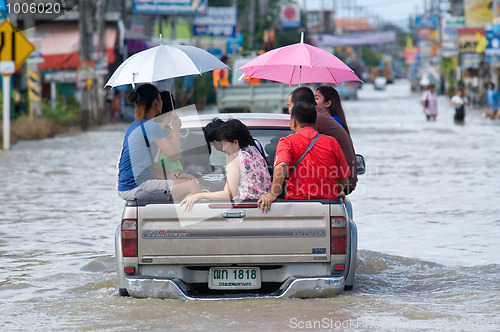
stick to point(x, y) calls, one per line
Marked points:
point(195, 157)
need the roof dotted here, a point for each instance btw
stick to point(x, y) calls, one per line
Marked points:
point(353, 24)
point(249, 119)
point(60, 45)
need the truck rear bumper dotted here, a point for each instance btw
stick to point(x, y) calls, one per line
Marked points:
point(163, 288)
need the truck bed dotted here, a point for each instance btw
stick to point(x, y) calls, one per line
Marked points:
point(291, 242)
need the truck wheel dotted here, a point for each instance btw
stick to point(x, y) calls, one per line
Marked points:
point(123, 292)
point(348, 287)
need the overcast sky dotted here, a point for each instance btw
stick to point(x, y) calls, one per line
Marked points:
point(394, 11)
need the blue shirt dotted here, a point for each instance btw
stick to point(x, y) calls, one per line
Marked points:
point(339, 120)
point(136, 160)
point(493, 99)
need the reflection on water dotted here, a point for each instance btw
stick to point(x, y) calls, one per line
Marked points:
point(426, 210)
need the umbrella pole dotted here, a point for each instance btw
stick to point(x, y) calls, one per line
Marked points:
point(300, 72)
point(171, 91)
point(164, 169)
point(172, 100)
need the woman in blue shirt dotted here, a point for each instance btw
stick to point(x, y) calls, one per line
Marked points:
point(328, 99)
point(493, 96)
point(138, 178)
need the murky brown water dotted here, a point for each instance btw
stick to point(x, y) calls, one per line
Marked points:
point(427, 210)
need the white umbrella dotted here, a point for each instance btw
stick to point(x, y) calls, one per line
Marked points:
point(163, 62)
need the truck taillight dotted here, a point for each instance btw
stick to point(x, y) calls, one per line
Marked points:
point(129, 238)
point(338, 236)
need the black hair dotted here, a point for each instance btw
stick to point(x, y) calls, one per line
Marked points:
point(143, 99)
point(329, 93)
point(304, 113)
point(211, 129)
point(167, 100)
point(303, 93)
point(234, 129)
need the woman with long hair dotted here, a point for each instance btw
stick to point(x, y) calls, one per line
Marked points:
point(328, 99)
point(138, 178)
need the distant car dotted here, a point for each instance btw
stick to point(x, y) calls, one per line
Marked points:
point(347, 90)
point(380, 83)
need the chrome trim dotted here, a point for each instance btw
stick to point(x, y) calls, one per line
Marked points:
point(234, 214)
point(249, 119)
point(164, 288)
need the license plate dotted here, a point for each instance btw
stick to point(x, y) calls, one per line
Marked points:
point(234, 278)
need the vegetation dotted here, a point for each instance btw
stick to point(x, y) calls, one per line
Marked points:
point(65, 111)
point(52, 122)
point(23, 128)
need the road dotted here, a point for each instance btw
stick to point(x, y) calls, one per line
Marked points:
point(427, 213)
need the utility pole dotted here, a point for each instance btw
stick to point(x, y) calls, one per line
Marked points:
point(32, 72)
point(85, 39)
point(322, 18)
point(102, 59)
point(494, 63)
point(251, 25)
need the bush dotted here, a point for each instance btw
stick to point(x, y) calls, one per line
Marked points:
point(65, 111)
point(23, 128)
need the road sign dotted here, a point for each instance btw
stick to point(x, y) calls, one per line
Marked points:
point(34, 85)
point(14, 48)
point(3, 11)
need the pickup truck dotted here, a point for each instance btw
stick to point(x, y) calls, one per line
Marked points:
point(263, 97)
point(266, 96)
point(219, 249)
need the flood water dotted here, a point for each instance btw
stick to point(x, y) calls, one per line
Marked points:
point(427, 210)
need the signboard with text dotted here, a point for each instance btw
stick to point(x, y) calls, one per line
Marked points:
point(411, 55)
point(3, 11)
point(169, 7)
point(493, 47)
point(451, 26)
point(426, 21)
point(218, 21)
point(467, 39)
point(450, 48)
point(478, 12)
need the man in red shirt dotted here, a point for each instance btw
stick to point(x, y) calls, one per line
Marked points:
point(322, 173)
point(327, 125)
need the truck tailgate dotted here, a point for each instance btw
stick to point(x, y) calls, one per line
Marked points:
point(223, 233)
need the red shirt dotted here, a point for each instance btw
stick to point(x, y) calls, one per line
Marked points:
point(316, 176)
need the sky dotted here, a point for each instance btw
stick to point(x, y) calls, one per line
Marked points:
point(394, 11)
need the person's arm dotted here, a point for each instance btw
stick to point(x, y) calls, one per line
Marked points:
point(171, 147)
point(452, 102)
point(231, 187)
point(279, 175)
point(424, 98)
point(157, 172)
point(341, 183)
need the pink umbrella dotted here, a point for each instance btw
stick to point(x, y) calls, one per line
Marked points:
point(299, 63)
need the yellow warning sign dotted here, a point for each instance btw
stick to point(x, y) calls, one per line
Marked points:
point(34, 86)
point(14, 48)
